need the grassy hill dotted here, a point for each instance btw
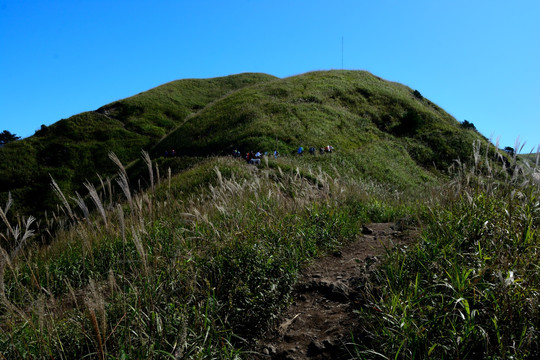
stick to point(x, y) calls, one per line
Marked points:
point(376, 123)
point(531, 158)
point(73, 150)
point(348, 109)
point(203, 262)
point(364, 117)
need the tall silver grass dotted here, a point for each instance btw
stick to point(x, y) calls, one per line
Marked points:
point(95, 303)
point(158, 178)
point(140, 249)
point(82, 205)
point(9, 202)
point(148, 162)
point(102, 185)
point(118, 163)
point(21, 240)
point(8, 225)
point(109, 190)
point(124, 185)
point(4, 262)
point(62, 198)
point(97, 201)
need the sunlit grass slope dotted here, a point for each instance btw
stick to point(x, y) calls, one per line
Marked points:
point(193, 269)
point(354, 111)
point(199, 263)
point(73, 150)
point(203, 262)
point(380, 128)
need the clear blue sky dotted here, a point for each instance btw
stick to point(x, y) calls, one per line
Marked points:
point(479, 60)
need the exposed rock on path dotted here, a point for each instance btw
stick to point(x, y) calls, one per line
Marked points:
point(319, 322)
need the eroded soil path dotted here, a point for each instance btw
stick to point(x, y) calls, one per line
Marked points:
point(319, 322)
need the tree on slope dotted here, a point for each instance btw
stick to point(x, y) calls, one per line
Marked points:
point(7, 137)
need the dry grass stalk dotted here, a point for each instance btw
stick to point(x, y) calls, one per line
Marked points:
point(4, 218)
point(118, 163)
point(27, 234)
point(148, 162)
point(169, 180)
point(86, 242)
point(62, 198)
point(71, 292)
point(4, 262)
point(140, 249)
point(476, 153)
point(99, 341)
point(102, 184)
point(82, 205)
point(109, 189)
point(122, 222)
point(124, 185)
point(40, 310)
point(95, 304)
point(181, 343)
point(146, 199)
point(97, 201)
point(158, 177)
point(112, 282)
point(139, 210)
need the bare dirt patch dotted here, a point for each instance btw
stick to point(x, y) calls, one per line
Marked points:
point(319, 322)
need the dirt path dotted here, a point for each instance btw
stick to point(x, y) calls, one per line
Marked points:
point(318, 324)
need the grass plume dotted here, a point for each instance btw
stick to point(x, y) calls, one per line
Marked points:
point(62, 198)
point(97, 201)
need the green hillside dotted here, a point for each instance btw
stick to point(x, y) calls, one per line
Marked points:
point(345, 108)
point(382, 129)
point(531, 158)
point(197, 255)
point(358, 113)
point(73, 150)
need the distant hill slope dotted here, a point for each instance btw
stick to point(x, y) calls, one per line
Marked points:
point(73, 150)
point(354, 111)
point(532, 157)
point(380, 129)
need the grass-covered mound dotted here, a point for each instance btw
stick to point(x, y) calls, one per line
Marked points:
point(351, 110)
point(73, 150)
point(362, 116)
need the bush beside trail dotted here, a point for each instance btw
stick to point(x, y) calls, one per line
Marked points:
point(188, 269)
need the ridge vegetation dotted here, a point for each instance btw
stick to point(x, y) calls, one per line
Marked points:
point(195, 256)
point(357, 112)
point(73, 150)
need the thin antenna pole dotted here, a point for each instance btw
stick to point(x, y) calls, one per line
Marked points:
point(342, 53)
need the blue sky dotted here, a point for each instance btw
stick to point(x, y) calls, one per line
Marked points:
point(479, 60)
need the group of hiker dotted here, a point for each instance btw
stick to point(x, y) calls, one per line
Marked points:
point(253, 157)
point(170, 153)
point(312, 150)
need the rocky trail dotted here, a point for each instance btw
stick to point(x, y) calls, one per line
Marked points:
point(318, 324)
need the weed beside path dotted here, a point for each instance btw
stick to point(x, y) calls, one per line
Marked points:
point(318, 323)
